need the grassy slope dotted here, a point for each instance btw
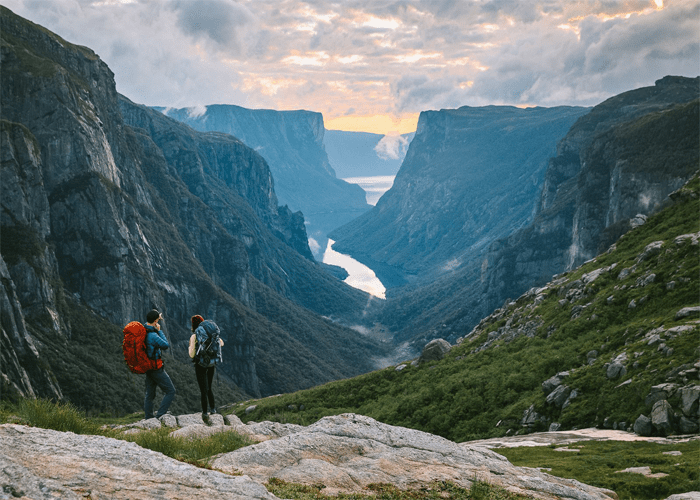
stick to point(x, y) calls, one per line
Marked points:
point(467, 394)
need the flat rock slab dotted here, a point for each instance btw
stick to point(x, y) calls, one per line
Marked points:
point(44, 464)
point(568, 437)
point(348, 452)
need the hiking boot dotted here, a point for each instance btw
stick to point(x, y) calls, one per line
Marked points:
point(205, 417)
point(214, 411)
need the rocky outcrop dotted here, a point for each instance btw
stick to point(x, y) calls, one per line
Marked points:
point(348, 452)
point(434, 350)
point(292, 144)
point(470, 176)
point(344, 453)
point(45, 464)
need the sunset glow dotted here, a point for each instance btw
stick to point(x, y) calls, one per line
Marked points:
point(375, 66)
point(376, 124)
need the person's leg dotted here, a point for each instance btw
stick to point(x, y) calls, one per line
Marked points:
point(166, 385)
point(150, 395)
point(202, 382)
point(210, 391)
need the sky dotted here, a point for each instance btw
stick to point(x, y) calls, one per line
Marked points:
point(374, 65)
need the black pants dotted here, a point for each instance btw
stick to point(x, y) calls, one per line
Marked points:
point(204, 379)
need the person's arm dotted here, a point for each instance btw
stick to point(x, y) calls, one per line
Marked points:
point(160, 340)
point(193, 340)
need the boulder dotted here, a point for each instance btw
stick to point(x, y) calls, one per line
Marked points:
point(691, 495)
point(348, 452)
point(434, 350)
point(559, 396)
point(687, 425)
point(531, 417)
point(650, 250)
point(642, 426)
point(688, 312)
point(199, 431)
point(660, 392)
point(552, 382)
point(190, 419)
point(690, 398)
point(45, 464)
point(662, 417)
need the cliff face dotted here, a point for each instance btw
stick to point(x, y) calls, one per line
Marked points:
point(622, 159)
point(112, 209)
point(292, 144)
point(470, 176)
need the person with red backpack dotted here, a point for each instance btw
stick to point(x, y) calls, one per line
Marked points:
point(155, 342)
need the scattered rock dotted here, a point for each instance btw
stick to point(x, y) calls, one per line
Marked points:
point(687, 425)
point(662, 417)
point(645, 471)
point(434, 350)
point(625, 272)
point(551, 383)
point(660, 392)
point(690, 400)
point(688, 312)
point(693, 237)
point(691, 495)
point(638, 220)
point(650, 250)
point(642, 426)
point(559, 396)
point(531, 417)
point(617, 367)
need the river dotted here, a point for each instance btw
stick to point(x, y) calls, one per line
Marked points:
point(359, 275)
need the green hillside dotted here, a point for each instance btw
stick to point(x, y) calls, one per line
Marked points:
point(619, 309)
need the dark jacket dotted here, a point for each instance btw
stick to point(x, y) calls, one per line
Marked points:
point(155, 341)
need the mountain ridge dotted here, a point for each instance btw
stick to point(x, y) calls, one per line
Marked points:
point(292, 144)
point(120, 219)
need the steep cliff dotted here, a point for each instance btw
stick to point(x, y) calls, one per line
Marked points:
point(114, 209)
point(470, 176)
point(620, 160)
point(292, 144)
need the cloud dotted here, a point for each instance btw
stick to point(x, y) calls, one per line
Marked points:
point(196, 111)
point(373, 58)
point(217, 20)
point(391, 147)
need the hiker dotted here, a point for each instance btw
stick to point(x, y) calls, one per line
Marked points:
point(204, 334)
point(155, 341)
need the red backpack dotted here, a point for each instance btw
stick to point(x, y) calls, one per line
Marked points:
point(134, 347)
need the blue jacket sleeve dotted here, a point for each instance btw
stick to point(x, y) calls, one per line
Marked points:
point(160, 340)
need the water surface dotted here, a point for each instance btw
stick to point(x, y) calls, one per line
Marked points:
point(359, 275)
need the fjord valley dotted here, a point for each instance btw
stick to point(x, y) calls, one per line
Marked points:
point(118, 207)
